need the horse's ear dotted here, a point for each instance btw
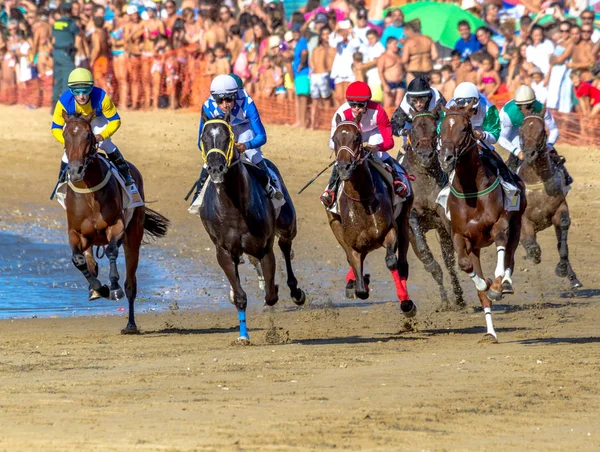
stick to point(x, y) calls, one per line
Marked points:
point(203, 116)
point(436, 112)
point(543, 112)
point(338, 119)
point(90, 117)
point(468, 109)
point(358, 118)
point(445, 109)
point(65, 115)
point(411, 112)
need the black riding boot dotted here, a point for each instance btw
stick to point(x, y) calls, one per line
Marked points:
point(501, 168)
point(62, 174)
point(328, 196)
point(268, 183)
point(117, 158)
point(400, 183)
point(559, 160)
point(201, 181)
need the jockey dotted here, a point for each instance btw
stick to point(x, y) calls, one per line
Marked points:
point(376, 131)
point(83, 98)
point(511, 118)
point(249, 133)
point(486, 125)
point(420, 98)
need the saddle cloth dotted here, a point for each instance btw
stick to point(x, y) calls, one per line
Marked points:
point(512, 196)
point(194, 209)
point(551, 185)
point(378, 166)
point(129, 204)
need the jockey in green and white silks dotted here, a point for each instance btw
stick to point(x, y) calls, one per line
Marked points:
point(485, 122)
point(512, 115)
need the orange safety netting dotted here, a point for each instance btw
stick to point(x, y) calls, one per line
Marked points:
point(180, 78)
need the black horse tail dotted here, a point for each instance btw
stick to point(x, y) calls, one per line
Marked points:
point(155, 225)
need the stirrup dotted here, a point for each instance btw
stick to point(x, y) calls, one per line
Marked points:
point(400, 188)
point(273, 193)
point(327, 198)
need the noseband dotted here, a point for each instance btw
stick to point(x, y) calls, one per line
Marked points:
point(355, 154)
point(538, 146)
point(463, 147)
point(227, 154)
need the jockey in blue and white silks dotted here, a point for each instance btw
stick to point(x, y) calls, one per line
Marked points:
point(248, 130)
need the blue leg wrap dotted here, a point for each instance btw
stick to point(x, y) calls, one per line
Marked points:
point(243, 329)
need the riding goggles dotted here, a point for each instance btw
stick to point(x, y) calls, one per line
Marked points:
point(354, 104)
point(81, 90)
point(229, 98)
point(462, 102)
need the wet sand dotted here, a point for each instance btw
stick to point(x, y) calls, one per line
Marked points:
point(335, 374)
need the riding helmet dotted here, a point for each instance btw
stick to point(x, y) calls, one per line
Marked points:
point(524, 95)
point(418, 88)
point(358, 92)
point(466, 92)
point(80, 77)
point(223, 86)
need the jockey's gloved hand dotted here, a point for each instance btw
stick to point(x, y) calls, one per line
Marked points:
point(404, 132)
point(479, 135)
point(241, 147)
point(373, 148)
point(99, 138)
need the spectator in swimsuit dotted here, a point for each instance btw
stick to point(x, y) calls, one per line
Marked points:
point(153, 29)
point(99, 53)
point(391, 74)
point(488, 80)
point(172, 16)
point(588, 95)
point(119, 59)
point(419, 52)
point(133, 32)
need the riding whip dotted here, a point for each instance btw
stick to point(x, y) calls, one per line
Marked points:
point(315, 178)
point(191, 191)
point(62, 173)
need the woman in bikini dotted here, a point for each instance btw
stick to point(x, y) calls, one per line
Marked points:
point(134, 31)
point(153, 29)
point(488, 80)
point(119, 60)
point(172, 16)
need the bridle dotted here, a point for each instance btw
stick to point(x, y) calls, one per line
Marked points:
point(540, 145)
point(468, 141)
point(356, 159)
point(92, 144)
point(230, 146)
point(410, 137)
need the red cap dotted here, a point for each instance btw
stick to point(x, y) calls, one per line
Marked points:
point(358, 92)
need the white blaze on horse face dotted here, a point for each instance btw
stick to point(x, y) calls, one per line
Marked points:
point(75, 129)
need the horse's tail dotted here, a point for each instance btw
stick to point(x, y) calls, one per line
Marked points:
point(155, 225)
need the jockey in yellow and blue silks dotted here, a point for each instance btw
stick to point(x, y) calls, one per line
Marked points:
point(226, 96)
point(83, 98)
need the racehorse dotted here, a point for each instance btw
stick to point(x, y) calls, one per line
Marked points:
point(420, 160)
point(546, 198)
point(239, 218)
point(478, 215)
point(366, 216)
point(95, 216)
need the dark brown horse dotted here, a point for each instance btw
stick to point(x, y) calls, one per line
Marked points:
point(366, 216)
point(478, 216)
point(95, 216)
point(546, 198)
point(426, 214)
point(239, 218)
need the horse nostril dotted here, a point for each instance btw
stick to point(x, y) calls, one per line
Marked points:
point(221, 168)
point(448, 158)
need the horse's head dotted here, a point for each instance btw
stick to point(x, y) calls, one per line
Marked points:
point(218, 150)
point(533, 137)
point(348, 147)
point(456, 135)
point(423, 136)
point(80, 144)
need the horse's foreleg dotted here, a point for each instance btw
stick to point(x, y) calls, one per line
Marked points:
point(500, 233)
point(400, 273)
point(449, 262)
point(261, 278)
point(562, 222)
point(511, 248)
point(239, 296)
point(114, 235)
point(297, 294)
point(529, 241)
point(423, 252)
point(268, 265)
point(96, 289)
point(131, 246)
point(482, 291)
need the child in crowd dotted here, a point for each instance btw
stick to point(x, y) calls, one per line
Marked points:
point(538, 84)
point(222, 61)
point(211, 63)
point(466, 72)
point(435, 80)
point(588, 95)
point(359, 73)
point(488, 79)
point(449, 83)
point(270, 78)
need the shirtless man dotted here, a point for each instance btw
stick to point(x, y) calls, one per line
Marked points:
point(42, 31)
point(582, 58)
point(448, 82)
point(213, 33)
point(320, 63)
point(419, 52)
point(153, 30)
point(234, 42)
point(133, 32)
point(222, 63)
point(391, 74)
point(466, 73)
point(99, 53)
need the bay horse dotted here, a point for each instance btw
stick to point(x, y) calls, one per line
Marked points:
point(426, 214)
point(366, 216)
point(478, 216)
point(546, 198)
point(239, 218)
point(95, 216)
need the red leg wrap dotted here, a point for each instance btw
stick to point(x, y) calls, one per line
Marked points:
point(350, 276)
point(400, 282)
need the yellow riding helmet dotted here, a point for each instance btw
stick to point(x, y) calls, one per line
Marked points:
point(80, 77)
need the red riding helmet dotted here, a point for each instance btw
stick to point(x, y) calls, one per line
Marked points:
point(358, 92)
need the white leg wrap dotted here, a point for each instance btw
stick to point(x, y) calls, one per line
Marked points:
point(480, 284)
point(500, 266)
point(65, 158)
point(488, 322)
point(507, 275)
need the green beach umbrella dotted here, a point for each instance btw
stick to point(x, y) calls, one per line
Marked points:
point(440, 21)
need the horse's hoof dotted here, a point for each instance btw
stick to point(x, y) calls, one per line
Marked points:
point(561, 270)
point(93, 295)
point(301, 299)
point(130, 329)
point(507, 288)
point(488, 339)
point(242, 340)
point(362, 295)
point(576, 284)
point(408, 308)
point(350, 293)
point(104, 291)
point(231, 297)
point(272, 302)
point(117, 294)
point(494, 295)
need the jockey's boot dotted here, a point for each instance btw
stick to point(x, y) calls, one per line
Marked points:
point(328, 196)
point(559, 160)
point(200, 184)
point(499, 165)
point(268, 183)
point(513, 162)
point(62, 174)
point(117, 158)
point(400, 183)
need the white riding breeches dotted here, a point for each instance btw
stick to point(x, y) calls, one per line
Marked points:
point(98, 125)
point(244, 135)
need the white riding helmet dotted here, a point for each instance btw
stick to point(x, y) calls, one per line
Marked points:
point(465, 93)
point(524, 95)
point(223, 86)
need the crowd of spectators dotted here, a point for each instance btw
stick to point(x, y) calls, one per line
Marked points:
point(150, 54)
